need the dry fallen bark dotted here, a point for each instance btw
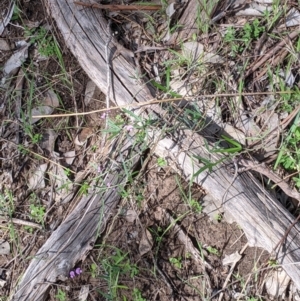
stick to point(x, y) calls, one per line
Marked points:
point(71, 241)
point(116, 7)
point(262, 218)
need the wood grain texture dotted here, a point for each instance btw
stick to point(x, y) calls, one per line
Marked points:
point(263, 219)
point(258, 213)
point(85, 34)
point(195, 16)
point(119, 7)
point(72, 240)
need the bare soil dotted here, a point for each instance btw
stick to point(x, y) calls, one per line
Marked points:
point(158, 278)
point(158, 194)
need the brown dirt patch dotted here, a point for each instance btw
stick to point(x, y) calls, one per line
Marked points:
point(141, 255)
point(168, 271)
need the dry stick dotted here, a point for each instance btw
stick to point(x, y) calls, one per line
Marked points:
point(260, 43)
point(114, 7)
point(230, 273)
point(283, 125)
point(108, 67)
point(286, 233)
point(21, 222)
point(272, 176)
point(64, 245)
point(40, 156)
point(274, 63)
point(288, 119)
point(156, 101)
point(108, 80)
point(236, 169)
point(273, 51)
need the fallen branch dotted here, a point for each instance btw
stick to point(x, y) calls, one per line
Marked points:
point(115, 7)
point(72, 240)
point(20, 222)
point(272, 52)
point(262, 169)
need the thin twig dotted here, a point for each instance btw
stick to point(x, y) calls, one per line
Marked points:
point(108, 67)
point(286, 233)
point(21, 222)
point(236, 169)
point(39, 156)
point(283, 124)
point(230, 273)
point(272, 176)
point(158, 101)
point(275, 62)
point(272, 52)
point(114, 7)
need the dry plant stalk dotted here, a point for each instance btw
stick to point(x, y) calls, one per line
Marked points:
point(114, 7)
point(272, 52)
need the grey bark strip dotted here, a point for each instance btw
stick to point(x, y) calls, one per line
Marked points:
point(258, 213)
point(71, 241)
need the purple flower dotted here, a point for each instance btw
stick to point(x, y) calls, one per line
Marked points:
point(78, 271)
point(72, 274)
point(105, 114)
point(128, 127)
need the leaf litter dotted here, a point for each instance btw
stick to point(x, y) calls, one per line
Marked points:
point(141, 234)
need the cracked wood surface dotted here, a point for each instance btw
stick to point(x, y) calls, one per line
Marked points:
point(76, 235)
point(258, 213)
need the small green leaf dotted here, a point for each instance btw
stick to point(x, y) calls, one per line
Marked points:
point(161, 162)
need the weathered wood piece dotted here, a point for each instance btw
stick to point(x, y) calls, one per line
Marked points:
point(71, 241)
point(263, 219)
point(195, 18)
point(86, 34)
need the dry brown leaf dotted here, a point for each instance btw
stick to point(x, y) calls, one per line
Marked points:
point(89, 92)
point(130, 216)
point(83, 136)
point(276, 283)
point(232, 258)
point(170, 10)
point(50, 99)
point(5, 19)
point(39, 111)
point(16, 60)
point(69, 157)
point(4, 45)
point(84, 292)
point(4, 247)
point(292, 18)
point(146, 243)
point(158, 214)
point(48, 140)
point(254, 9)
point(36, 180)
